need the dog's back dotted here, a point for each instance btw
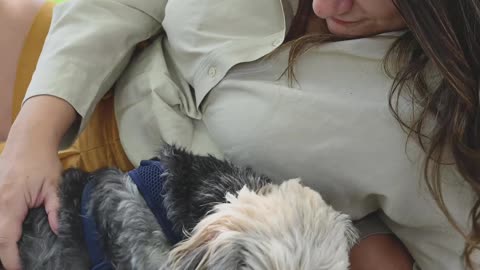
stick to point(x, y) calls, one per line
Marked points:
point(40, 248)
point(194, 184)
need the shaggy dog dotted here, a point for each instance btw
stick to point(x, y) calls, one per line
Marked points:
point(212, 215)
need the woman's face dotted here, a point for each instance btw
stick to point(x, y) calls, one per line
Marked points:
point(354, 18)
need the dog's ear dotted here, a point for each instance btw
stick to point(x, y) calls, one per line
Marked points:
point(193, 252)
point(188, 259)
point(215, 244)
point(227, 255)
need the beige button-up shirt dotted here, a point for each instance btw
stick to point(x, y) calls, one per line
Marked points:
point(92, 41)
point(189, 87)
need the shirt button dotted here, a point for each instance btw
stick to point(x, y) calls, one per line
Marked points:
point(277, 42)
point(212, 72)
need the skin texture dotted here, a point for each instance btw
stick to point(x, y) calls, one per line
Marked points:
point(380, 252)
point(356, 18)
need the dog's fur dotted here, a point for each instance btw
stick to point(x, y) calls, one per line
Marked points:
point(231, 217)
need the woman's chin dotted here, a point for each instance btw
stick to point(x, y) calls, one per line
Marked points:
point(349, 30)
point(357, 29)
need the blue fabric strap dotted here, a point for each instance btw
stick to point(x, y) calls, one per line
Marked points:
point(92, 237)
point(149, 180)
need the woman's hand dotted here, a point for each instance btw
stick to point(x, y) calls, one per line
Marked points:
point(30, 169)
point(29, 175)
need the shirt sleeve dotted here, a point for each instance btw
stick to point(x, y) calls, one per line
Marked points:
point(89, 44)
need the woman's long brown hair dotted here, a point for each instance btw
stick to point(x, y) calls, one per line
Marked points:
point(436, 64)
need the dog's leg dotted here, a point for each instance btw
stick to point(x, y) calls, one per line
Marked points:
point(40, 248)
point(134, 238)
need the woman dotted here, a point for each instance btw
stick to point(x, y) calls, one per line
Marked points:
point(189, 86)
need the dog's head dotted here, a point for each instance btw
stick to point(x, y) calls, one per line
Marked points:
point(279, 227)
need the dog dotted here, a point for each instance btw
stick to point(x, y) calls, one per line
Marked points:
point(213, 215)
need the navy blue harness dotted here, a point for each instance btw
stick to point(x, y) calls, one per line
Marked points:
point(149, 180)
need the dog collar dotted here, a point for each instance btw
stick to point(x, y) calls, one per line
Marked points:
point(149, 178)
